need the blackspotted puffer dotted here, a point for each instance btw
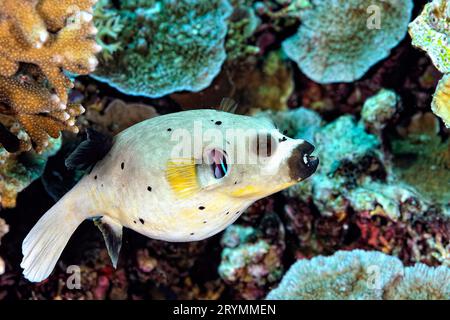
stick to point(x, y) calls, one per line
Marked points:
point(179, 177)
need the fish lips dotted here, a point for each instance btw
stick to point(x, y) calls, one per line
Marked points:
point(301, 163)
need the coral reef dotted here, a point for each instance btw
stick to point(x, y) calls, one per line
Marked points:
point(49, 37)
point(178, 46)
point(328, 51)
point(19, 170)
point(362, 275)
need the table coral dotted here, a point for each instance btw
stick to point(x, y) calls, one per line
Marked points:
point(329, 51)
point(49, 37)
point(166, 46)
point(359, 275)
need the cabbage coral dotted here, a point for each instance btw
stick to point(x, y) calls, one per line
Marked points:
point(161, 47)
point(48, 37)
point(362, 274)
point(328, 50)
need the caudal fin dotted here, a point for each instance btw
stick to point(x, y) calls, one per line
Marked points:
point(44, 244)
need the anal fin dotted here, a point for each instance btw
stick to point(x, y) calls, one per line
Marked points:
point(112, 233)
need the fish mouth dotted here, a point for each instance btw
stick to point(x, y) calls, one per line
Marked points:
point(302, 163)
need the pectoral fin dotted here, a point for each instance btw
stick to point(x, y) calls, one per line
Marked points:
point(112, 233)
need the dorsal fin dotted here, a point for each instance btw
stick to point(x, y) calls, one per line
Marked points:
point(90, 151)
point(228, 105)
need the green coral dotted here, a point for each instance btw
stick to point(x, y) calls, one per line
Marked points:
point(359, 274)
point(431, 33)
point(339, 40)
point(162, 46)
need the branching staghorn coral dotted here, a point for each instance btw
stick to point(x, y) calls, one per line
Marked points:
point(40, 40)
point(328, 50)
point(431, 33)
point(362, 274)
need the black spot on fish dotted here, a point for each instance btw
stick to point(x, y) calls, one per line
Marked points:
point(235, 182)
point(192, 233)
point(170, 129)
point(134, 221)
point(204, 221)
point(102, 185)
point(149, 188)
point(95, 177)
point(122, 165)
point(237, 212)
point(282, 139)
point(218, 123)
point(201, 208)
point(141, 220)
point(228, 212)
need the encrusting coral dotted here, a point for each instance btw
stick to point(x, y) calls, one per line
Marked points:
point(39, 42)
point(431, 33)
point(329, 51)
point(362, 274)
point(162, 46)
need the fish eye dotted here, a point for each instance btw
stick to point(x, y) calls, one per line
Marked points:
point(265, 145)
point(217, 160)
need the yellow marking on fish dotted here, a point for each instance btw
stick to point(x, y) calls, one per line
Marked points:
point(254, 191)
point(182, 177)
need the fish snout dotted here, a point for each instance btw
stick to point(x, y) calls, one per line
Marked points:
point(301, 163)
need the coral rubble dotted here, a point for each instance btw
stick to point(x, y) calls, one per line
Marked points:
point(39, 41)
point(362, 275)
point(165, 46)
point(328, 51)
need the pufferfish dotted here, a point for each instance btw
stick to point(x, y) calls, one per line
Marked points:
point(147, 181)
